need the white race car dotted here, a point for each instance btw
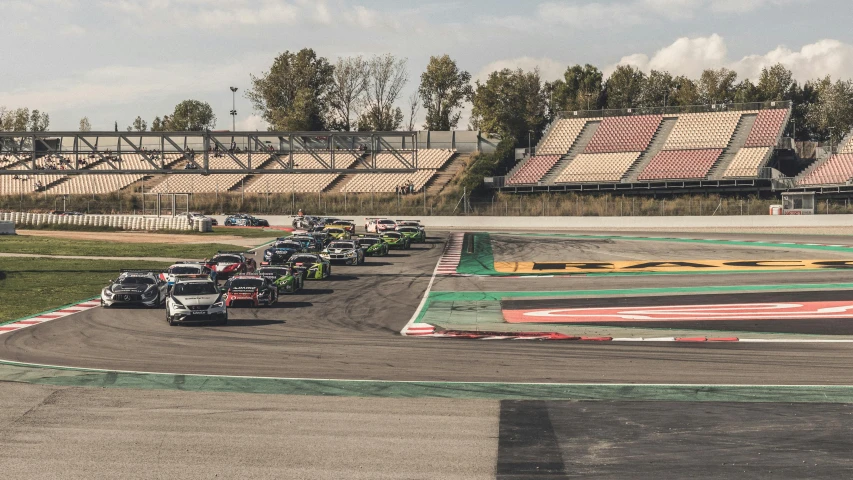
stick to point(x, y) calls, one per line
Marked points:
point(196, 299)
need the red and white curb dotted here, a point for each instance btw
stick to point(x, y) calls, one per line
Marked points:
point(449, 260)
point(46, 317)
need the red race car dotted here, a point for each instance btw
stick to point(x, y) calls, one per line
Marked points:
point(250, 290)
point(228, 264)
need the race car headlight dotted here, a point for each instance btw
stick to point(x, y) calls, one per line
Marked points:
point(178, 304)
point(108, 292)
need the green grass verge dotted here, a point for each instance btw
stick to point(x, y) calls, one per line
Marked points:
point(33, 285)
point(56, 227)
point(59, 246)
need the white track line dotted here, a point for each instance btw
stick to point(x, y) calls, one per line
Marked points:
point(426, 329)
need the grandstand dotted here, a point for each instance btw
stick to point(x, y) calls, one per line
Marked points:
point(627, 149)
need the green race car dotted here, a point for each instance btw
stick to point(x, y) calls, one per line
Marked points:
point(414, 234)
point(373, 246)
point(396, 240)
point(311, 265)
point(285, 279)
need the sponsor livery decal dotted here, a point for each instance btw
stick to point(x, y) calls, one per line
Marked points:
point(669, 266)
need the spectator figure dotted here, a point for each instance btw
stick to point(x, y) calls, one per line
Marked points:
point(233, 146)
point(300, 213)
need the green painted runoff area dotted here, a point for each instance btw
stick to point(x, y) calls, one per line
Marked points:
point(72, 377)
point(481, 259)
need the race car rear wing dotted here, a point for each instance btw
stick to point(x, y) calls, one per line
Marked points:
point(152, 272)
point(233, 253)
point(408, 221)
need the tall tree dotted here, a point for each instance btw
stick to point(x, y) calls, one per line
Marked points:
point(717, 86)
point(17, 120)
point(116, 126)
point(347, 93)
point(624, 87)
point(746, 92)
point(139, 124)
point(85, 126)
point(657, 90)
point(38, 121)
point(831, 117)
point(509, 104)
point(775, 83)
point(443, 89)
point(803, 99)
point(414, 108)
point(387, 76)
point(157, 125)
point(294, 92)
point(579, 89)
point(686, 91)
point(192, 116)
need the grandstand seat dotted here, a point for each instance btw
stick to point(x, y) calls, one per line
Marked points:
point(703, 130)
point(767, 128)
point(534, 169)
point(838, 169)
point(624, 134)
point(562, 136)
point(747, 161)
point(385, 182)
point(292, 182)
point(680, 164)
point(598, 167)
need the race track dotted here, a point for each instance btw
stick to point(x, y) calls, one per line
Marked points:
point(348, 328)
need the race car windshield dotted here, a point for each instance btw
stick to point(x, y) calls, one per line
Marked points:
point(184, 270)
point(368, 241)
point(290, 245)
point(407, 229)
point(247, 283)
point(137, 281)
point(274, 271)
point(227, 259)
point(340, 245)
point(392, 235)
point(335, 230)
point(303, 259)
point(386, 222)
point(206, 288)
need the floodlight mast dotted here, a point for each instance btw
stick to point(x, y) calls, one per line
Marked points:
point(233, 109)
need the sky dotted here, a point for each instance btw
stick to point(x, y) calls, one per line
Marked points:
point(112, 60)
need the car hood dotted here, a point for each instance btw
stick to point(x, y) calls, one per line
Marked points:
point(118, 288)
point(191, 300)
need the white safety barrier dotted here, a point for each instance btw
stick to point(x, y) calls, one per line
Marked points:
point(7, 228)
point(125, 222)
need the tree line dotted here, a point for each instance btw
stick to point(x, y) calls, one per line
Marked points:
point(302, 91)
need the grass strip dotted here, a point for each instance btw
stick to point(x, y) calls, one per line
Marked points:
point(34, 285)
point(59, 246)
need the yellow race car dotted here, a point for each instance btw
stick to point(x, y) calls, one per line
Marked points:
point(337, 233)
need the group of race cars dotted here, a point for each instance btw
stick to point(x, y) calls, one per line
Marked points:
point(191, 291)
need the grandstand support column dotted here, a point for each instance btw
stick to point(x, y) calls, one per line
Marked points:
point(205, 146)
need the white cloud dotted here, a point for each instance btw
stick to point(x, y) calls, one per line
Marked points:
point(72, 30)
point(549, 69)
point(689, 56)
point(599, 15)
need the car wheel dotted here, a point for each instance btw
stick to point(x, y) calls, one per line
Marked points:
point(170, 321)
point(224, 320)
point(157, 302)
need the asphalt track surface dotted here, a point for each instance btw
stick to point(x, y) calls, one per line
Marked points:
point(348, 328)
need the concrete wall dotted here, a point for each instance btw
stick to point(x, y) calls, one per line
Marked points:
point(7, 228)
point(604, 223)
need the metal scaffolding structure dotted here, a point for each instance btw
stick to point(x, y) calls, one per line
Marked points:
point(246, 151)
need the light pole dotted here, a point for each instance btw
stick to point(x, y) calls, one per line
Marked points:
point(233, 108)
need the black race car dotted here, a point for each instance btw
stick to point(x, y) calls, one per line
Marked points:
point(134, 287)
point(282, 249)
point(245, 220)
